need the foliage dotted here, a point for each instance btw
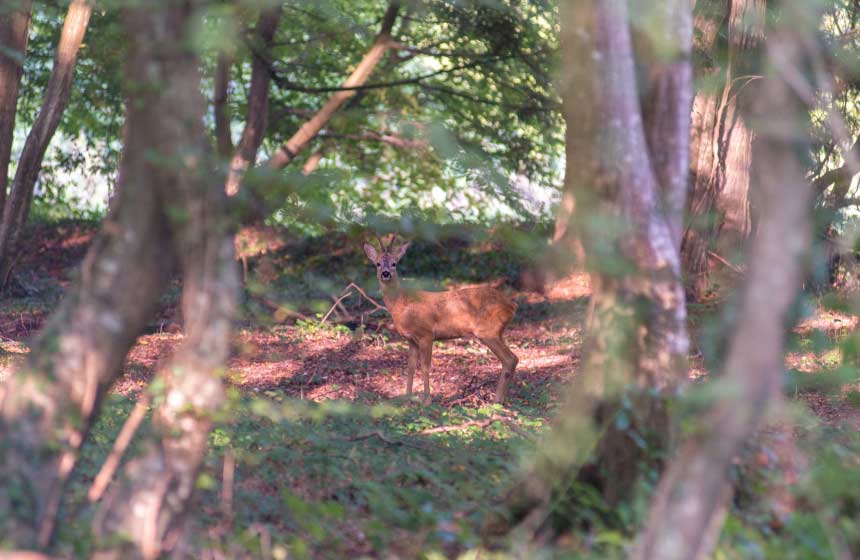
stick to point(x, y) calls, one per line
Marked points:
point(486, 115)
point(334, 478)
point(468, 97)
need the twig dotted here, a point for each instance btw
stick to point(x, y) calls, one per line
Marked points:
point(344, 311)
point(348, 292)
point(280, 309)
point(123, 439)
point(471, 390)
point(477, 423)
point(375, 433)
point(367, 297)
point(727, 264)
point(382, 437)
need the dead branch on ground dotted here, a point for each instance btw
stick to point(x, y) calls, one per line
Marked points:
point(348, 291)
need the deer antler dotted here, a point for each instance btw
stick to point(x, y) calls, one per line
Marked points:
point(386, 248)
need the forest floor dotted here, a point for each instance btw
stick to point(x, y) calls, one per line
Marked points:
point(322, 456)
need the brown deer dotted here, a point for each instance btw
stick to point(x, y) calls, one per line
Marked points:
point(422, 317)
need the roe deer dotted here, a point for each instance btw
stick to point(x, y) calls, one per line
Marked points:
point(422, 317)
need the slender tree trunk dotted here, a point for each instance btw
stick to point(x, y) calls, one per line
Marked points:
point(56, 97)
point(167, 206)
point(223, 137)
point(689, 506)
point(308, 131)
point(258, 101)
point(14, 31)
point(721, 147)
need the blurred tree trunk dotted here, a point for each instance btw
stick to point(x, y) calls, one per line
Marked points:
point(148, 501)
point(628, 171)
point(721, 143)
point(310, 129)
point(169, 209)
point(258, 102)
point(14, 31)
point(632, 164)
point(59, 88)
point(688, 508)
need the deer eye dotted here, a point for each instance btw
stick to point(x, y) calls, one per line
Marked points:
point(394, 263)
point(378, 265)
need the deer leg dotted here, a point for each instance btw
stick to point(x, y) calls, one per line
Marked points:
point(509, 363)
point(412, 365)
point(425, 352)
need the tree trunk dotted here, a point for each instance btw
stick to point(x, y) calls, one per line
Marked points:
point(46, 407)
point(628, 168)
point(166, 207)
point(57, 94)
point(638, 328)
point(223, 137)
point(148, 501)
point(689, 505)
point(14, 31)
point(721, 146)
point(358, 78)
point(258, 101)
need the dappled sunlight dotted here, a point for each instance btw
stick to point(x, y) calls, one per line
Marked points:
point(832, 323)
point(602, 324)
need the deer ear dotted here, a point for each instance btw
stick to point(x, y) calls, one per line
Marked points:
point(370, 251)
point(402, 250)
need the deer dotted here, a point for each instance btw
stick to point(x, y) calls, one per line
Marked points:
point(423, 317)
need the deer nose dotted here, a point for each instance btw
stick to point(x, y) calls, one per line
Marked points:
point(386, 274)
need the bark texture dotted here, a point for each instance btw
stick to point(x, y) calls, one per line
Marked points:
point(309, 130)
point(148, 501)
point(170, 209)
point(59, 88)
point(14, 31)
point(46, 407)
point(258, 103)
point(639, 161)
point(628, 167)
point(721, 147)
point(689, 505)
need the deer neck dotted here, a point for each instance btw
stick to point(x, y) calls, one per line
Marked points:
point(392, 292)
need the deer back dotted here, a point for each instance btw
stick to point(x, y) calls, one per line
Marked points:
point(482, 312)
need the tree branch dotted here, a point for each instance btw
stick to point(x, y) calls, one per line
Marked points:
point(288, 85)
point(258, 103)
point(299, 141)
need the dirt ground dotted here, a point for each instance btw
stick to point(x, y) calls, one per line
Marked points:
point(330, 363)
point(321, 363)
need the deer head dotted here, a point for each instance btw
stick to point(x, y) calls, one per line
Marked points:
point(386, 259)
